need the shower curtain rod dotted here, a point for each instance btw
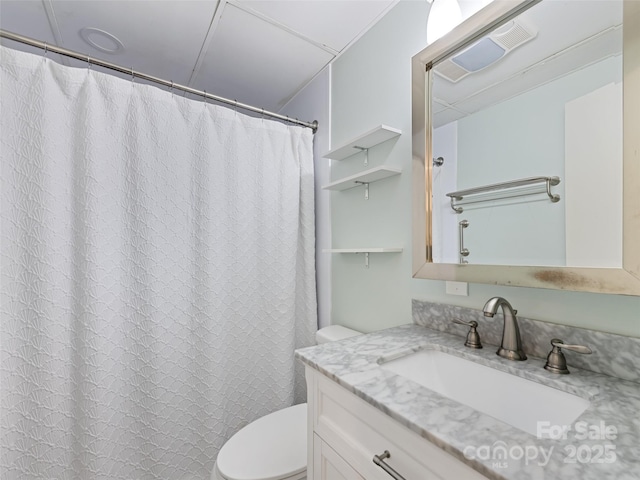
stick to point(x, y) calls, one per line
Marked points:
point(129, 71)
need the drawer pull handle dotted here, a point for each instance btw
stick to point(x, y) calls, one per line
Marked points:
point(379, 460)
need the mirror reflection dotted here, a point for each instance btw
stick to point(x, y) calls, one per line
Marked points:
point(528, 120)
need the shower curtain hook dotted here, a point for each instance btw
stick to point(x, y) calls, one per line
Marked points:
point(205, 97)
point(46, 49)
point(171, 87)
point(133, 77)
point(88, 62)
point(235, 106)
point(263, 114)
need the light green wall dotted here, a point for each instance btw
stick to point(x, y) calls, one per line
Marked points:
point(371, 86)
point(533, 231)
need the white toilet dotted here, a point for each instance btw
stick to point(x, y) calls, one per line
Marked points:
point(273, 447)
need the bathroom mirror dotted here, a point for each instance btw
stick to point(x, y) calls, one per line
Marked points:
point(535, 119)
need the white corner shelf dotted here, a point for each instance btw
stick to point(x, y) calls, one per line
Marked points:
point(364, 250)
point(363, 178)
point(369, 139)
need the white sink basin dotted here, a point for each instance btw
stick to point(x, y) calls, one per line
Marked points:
point(518, 402)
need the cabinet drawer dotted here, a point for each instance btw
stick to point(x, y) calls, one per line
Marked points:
point(328, 465)
point(357, 431)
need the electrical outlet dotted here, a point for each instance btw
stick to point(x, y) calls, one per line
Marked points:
point(457, 288)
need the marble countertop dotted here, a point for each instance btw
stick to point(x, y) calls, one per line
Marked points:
point(603, 443)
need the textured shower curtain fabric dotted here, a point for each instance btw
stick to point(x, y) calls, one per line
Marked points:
point(157, 259)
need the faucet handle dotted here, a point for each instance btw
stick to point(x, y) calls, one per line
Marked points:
point(556, 362)
point(473, 338)
point(556, 342)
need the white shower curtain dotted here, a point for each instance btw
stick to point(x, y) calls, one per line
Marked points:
point(157, 274)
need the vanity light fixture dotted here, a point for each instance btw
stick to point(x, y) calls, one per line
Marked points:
point(443, 17)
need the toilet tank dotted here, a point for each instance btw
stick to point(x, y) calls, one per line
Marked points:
point(333, 333)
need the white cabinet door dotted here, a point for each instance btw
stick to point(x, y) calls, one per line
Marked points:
point(328, 465)
point(358, 431)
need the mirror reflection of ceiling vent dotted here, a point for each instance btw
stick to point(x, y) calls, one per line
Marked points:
point(485, 51)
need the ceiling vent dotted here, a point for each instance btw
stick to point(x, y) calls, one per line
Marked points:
point(485, 51)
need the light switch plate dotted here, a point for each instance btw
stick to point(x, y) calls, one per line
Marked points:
point(457, 288)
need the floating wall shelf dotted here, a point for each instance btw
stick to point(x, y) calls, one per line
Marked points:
point(364, 250)
point(369, 139)
point(363, 178)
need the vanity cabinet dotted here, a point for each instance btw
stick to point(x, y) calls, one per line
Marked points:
point(345, 432)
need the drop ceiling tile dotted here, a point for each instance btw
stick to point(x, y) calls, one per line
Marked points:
point(257, 63)
point(28, 19)
point(332, 23)
point(161, 38)
point(446, 116)
point(437, 107)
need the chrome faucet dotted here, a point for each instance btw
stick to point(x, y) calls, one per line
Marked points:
point(511, 347)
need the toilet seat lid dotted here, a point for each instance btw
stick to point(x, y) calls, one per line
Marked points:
point(270, 448)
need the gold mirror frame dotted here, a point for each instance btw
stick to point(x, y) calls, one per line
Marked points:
point(625, 280)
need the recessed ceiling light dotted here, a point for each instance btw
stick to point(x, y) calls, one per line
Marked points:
point(101, 40)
